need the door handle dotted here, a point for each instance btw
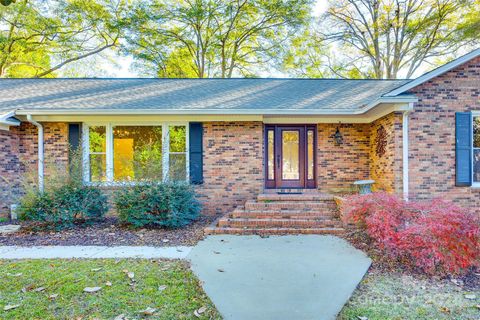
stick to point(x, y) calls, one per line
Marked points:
point(278, 161)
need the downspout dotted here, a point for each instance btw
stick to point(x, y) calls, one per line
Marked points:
point(405, 152)
point(41, 155)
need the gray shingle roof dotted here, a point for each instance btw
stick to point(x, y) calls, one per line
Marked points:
point(192, 94)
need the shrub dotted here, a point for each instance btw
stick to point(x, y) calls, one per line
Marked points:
point(170, 205)
point(66, 200)
point(436, 237)
point(64, 206)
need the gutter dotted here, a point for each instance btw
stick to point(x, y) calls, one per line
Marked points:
point(41, 155)
point(7, 120)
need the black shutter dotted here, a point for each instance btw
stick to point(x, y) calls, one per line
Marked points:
point(74, 136)
point(463, 149)
point(196, 152)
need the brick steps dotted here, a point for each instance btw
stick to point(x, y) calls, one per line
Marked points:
point(278, 223)
point(274, 213)
point(290, 205)
point(272, 231)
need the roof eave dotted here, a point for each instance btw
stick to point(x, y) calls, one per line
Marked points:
point(359, 111)
point(434, 73)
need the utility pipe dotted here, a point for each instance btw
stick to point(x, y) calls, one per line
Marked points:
point(41, 155)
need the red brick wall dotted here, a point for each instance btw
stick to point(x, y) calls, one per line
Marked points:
point(19, 155)
point(386, 169)
point(340, 165)
point(432, 134)
point(232, 164)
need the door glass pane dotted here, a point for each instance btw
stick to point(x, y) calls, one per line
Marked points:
point(137, 153)
point(270, 155)
point(311, 162)
point(290, 155)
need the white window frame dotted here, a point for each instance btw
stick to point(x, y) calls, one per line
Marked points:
point(475, 114)
point(109, 149)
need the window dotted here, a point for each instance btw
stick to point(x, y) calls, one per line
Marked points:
point(476, 150)
point(126, 153)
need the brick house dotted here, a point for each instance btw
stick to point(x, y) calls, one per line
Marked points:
point(241, 141)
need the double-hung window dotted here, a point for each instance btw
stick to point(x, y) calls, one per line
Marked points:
point(119, 153)
point(476, 150)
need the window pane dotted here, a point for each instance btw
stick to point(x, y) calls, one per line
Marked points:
point(290, 155)
point(476, 132)
point(178, 141)
point(97, 139)
point(270, 155)
point(178, 167)
point(137, 153)
point(311, 162)
point(476, 165)
point(98, 164)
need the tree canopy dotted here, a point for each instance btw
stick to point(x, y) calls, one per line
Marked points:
point(237, 38)
point(37, 38)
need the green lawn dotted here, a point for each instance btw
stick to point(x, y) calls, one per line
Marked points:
point(53, 289)
point(395, 296)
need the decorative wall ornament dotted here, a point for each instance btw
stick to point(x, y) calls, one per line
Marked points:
point(381, 141)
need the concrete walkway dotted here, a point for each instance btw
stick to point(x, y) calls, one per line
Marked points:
point(95, 252)
point(289, 277)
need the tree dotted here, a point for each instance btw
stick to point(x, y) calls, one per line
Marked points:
point(206, 38)
point(38, 38)
point(390, 38)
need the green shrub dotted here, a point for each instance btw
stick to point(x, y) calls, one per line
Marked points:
point(64, 206)
point(170, 205)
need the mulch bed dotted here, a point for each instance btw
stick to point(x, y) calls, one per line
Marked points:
point(110, 233)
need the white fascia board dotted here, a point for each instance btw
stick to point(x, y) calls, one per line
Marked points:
point(434, 73)
point(364, 109)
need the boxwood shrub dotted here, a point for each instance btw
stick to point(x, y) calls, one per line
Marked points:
point(64, 206)
point(170, 204)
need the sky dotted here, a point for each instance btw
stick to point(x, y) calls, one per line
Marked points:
point(120, 66)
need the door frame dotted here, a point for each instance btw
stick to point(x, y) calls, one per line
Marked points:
point(276, 182)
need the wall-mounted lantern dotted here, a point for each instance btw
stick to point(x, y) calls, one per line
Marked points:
point(337, 136)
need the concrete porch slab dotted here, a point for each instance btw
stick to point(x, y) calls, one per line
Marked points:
point(280, 277)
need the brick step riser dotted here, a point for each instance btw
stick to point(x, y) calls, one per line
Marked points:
point(302, 197)
point(275, 206)
point(273, 231)
point(279, 224)
point(284, 215)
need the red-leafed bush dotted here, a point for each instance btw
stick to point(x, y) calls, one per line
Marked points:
point(436, 237)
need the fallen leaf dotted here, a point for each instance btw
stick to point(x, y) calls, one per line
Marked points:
point(92, 289)
point(161, 288)
point(362, 318)
point(28, 288)
point(53, 296)
point(10, 307)
point(39, 289)
point(470, 296)
point(444, 310)
point(165, 240)
point(108, 284)
point(96, 269)
point(149, 311)
point(14, 274)
point(478, 306)
point(120, 317)
point(131, 275)
point(125, 271)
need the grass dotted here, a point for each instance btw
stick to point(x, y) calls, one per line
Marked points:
point(67, 279)
point(383, 295)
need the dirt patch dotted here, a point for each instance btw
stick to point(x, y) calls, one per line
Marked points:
point(111, 233)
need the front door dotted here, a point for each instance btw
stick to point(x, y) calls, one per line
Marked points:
point(290, 154)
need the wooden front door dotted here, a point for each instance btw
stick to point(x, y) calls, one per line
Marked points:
point(290, 156)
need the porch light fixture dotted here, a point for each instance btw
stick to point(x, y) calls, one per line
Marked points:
point(337, 136)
